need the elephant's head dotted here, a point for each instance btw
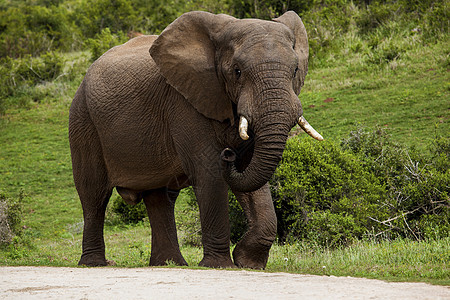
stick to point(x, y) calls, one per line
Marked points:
point(250, 69)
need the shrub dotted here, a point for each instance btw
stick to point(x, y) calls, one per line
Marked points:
point(440, 150)
point(373, 16)
point(15, 243)
point(238, 221)
point(10, 218)
point(377, 152)
point(128, 214)
point(325, 24)
point(16, 74)
point(34, 30)
point(320, 190)
point(436, 18)
point(92, 17)
point(156, 15)
point(332, 229)
point(6, 234)
point(368, 186)
point(188, 221)
point(104, 41)
point(416, 184)
point(29, 70)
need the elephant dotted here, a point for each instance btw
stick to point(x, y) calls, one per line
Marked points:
point(208, 103)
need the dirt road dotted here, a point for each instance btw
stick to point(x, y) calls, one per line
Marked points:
point(162, 283)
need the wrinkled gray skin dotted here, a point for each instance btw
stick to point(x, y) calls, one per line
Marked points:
point(153, 123)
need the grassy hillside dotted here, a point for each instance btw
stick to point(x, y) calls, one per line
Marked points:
point(409, 97)
point(394, 76)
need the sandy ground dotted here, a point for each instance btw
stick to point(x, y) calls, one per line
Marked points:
point(164, 283)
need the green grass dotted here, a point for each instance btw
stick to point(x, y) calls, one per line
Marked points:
point(399, 260)
point(35, 158)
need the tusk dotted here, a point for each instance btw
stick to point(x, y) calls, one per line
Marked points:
point(243, 127)
point(309, 129)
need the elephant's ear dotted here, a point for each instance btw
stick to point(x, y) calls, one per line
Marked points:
point(293, 21)
point(185, 54)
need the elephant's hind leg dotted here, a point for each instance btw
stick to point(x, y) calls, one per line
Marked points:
point(94, 191)
point(160, 206)
point(94, 208)
point(92, 183)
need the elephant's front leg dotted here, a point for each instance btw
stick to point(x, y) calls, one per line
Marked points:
point(160, 208)
point(212, 197)
point(252, 251)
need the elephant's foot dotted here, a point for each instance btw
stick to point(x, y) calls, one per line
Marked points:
point(251, 255)
point(163, 260)
point(94, 260)
point(217, 262)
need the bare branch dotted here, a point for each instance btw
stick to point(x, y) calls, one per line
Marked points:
point(407, 225)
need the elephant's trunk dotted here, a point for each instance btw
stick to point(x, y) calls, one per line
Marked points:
point(270, 142)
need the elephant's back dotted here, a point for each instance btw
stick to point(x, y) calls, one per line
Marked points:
point(123, 68)
point(125, 84)
point(120, 78)
point(136, 46)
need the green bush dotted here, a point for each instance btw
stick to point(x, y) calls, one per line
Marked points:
point(156, 15)
point(40, 26)
point(440, 150)
point(15, 242)
point(266, 9)
point(416, 184)
point(326, 22)
point(332, 229)
point(436, 18)
point(128, 214)
point(385, 51)
point(368, 187)
point(34, 29)
point(377, 152)
point(29, 70)
point(188, 221)
point(92, 17)
point(10, 218)
point(238, 221)
point(104, 41)
point(17, 74)
point(319, 182)
point(375, 16)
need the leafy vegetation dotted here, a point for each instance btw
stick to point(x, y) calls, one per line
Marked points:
point(128, 214)
point(369, 187)
point(372, 201)
point(10, 218)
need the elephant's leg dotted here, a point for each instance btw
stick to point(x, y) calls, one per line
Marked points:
point(94, 189)
point(195, 138)
point(212, 197)
point(252, 251)
point(94, 216)
point(160, 208)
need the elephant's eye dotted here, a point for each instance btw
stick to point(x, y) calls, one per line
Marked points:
point(295, 71)
point(237, 72)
